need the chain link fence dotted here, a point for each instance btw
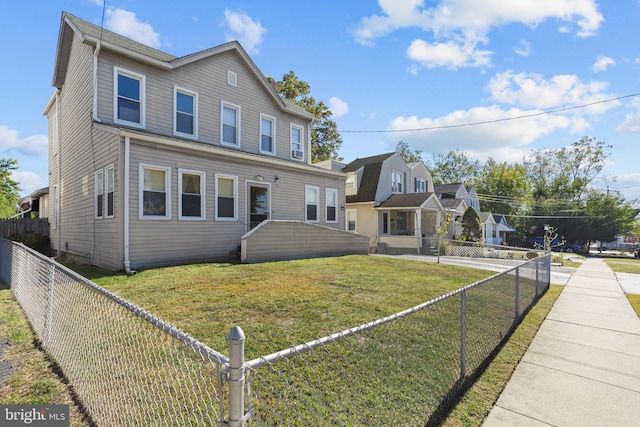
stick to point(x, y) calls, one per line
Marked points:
point(403, 370)
point(127, 367)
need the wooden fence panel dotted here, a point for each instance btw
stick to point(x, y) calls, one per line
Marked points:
point(22, 226)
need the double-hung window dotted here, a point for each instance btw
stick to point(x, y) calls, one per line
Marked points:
point(129, 102)
point(296, 142)
point(267, 134)
point(192, 194)
point(332, 204)
point(105, 185)
point(312, 203)
point(186, 113)
point(397, 182)
point(230, 132)
point(421, 185)
point(100, 194)
point(155, 192)
point(226, 197)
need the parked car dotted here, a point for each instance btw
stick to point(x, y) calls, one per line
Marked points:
point(557, 245)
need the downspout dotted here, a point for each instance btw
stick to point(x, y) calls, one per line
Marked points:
point(94, 114)
point(58, 189)
point(127, 153)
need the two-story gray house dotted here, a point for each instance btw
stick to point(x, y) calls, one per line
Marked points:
point(156, 159)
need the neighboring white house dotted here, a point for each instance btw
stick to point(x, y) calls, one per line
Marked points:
point(156, 159)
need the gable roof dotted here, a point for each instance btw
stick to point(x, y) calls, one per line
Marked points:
point(94, 35)
point(486, 217)
point(452, 203)
point(450, 190)
point(358, 163)
point(408, 201)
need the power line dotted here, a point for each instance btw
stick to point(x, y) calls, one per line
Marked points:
point(523, 116)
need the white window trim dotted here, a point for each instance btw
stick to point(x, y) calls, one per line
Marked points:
point(327, 192)
point(203, 192)
point(394, 188)
point(273, 136)
point(177, 89)
point(423, 184)
point(317, 189)
point(167, 183)
point(99, 215)
point(106, 191)
point(355, 216)
point(238, 121)
point(235, 197)
point(291, 149)
point(133, 75)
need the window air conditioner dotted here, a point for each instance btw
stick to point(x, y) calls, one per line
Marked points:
point(296, 154)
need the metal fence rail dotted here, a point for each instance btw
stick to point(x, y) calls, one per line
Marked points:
point(127, 367)
point(403, 370)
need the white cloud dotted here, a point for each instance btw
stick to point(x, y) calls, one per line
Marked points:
point(36, 145)
point(602, 63)
point(631, 124)
point(465, 23)
point(28, 182)
point(523, 48)
point(338, 107)
point(126, 24)
point(450, 54)
point(504, 140)
point(531, 90)
point(245, 30)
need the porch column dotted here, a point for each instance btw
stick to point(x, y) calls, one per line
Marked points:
point(418, 231)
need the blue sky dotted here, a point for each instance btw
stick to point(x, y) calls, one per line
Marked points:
point(419, 71)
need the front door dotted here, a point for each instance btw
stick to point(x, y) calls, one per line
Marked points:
point(258, 204)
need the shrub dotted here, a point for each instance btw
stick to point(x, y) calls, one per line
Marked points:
point(532, 254)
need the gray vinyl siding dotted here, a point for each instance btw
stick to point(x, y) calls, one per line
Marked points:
point(208, 78)
point(295, 240)
point(393, 163)
point(82, 150)
point(173, 241)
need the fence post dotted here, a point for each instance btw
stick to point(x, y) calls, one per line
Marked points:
point(49, 315)
point(236, 378)
point(537, 278)
point(517, 294)
point(438, 246)
point(463, 334)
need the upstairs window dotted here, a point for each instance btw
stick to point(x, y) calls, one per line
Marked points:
point(397, 182)
point(129, 104)
point(267, 134)
point(421, 185)
point(296, 142)
point(186, 113)
point(230, 124)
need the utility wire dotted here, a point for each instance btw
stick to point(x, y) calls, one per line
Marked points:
point(504, 119)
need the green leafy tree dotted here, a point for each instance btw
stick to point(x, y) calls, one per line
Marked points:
point(504, 187)
point(471, 226)
point(455, 166)
point(8, 188)
point(409, 155)
point(608, 216)
point(325, 139)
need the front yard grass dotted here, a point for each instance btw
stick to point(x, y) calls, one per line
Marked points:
point(281, 304)
point(624, 265)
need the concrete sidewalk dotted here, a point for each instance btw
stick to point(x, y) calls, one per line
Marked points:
point(583, 366)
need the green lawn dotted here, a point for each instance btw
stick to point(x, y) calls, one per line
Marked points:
point(282, 304)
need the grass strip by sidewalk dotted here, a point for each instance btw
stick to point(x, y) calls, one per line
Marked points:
point(628, 265)
point(34, 379)
point(475, 405)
